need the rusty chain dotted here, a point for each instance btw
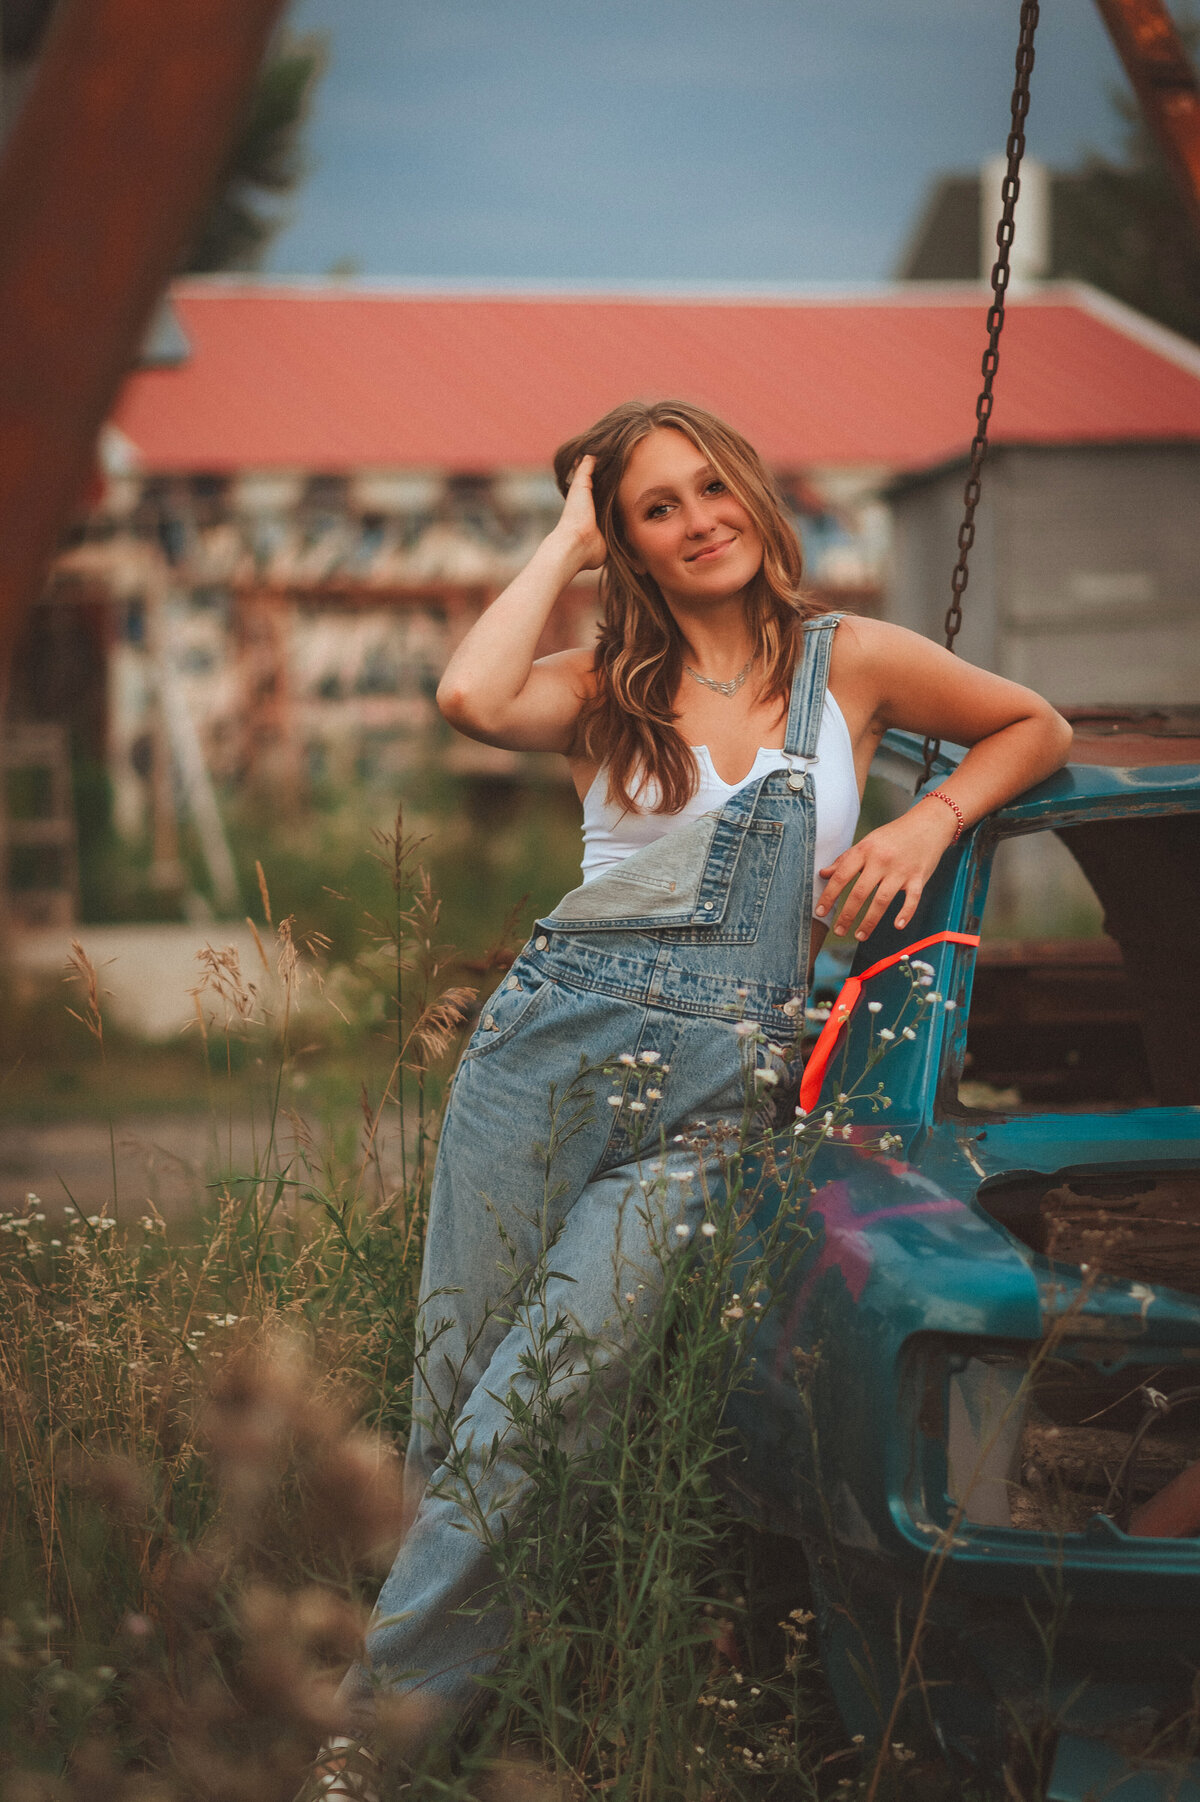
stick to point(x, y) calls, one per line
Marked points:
point(1005, 232)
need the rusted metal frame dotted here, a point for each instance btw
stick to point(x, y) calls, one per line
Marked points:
point(1162, 77)
point(104, 176)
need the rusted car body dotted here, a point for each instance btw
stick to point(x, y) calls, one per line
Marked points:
point(986, 1363)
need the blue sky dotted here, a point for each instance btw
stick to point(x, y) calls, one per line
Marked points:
point(660, 141)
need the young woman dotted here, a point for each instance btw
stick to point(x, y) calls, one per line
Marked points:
point(719, 735)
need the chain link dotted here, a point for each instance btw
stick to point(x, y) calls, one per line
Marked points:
point(1005, 232)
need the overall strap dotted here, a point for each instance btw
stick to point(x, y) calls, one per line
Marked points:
point(800, 749)
point(808, 688)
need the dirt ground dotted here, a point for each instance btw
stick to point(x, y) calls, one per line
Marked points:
point(164, 1158)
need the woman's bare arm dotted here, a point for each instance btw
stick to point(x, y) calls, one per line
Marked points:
point(900, 679)
point(492, 689)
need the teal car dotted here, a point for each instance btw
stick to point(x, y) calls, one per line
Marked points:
point(977, 1402)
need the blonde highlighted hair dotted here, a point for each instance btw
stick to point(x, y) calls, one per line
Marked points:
point(628, 722)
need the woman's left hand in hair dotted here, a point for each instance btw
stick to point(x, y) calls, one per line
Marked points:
point(896, 859)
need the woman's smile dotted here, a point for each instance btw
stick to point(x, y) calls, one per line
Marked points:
point(709, 550)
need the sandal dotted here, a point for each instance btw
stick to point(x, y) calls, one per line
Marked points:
point(344, 1772)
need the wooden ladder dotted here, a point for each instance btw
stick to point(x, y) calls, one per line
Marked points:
point(39, 850)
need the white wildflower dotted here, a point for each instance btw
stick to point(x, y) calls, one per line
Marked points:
point(770, 1077)
point(949, 1004)
point(709, 1230)
point(637, 1107)
point(746, 1029)
point(648, 1057)
point(885, 1032)
point(683, 1231)
point(627, 1057)
point(614, 1101)
point(908, 1033)
point(653, 1094)
point(874, 1007)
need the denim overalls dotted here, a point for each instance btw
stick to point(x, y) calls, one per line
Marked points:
point(666, 954)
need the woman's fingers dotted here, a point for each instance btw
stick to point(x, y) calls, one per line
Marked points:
point(840, 873)
point(579, 514)
point(892, 860)
point(872, 882)
point(913, 890)
point(885, 894)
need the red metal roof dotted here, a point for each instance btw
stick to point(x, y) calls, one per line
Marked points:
point(334, 378)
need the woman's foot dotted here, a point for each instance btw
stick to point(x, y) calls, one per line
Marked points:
point(344, 1772)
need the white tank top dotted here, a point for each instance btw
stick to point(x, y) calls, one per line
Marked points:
point(611, 835)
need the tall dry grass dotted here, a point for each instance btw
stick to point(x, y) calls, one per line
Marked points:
point(200, 1424)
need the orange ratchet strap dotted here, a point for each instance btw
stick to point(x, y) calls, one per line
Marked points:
point(843, 1007)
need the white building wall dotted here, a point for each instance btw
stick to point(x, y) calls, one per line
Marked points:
point(1085, 576)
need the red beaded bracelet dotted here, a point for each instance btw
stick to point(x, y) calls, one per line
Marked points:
point(939, 794)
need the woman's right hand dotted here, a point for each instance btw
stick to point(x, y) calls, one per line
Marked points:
point(495, 687)
point(578, 519)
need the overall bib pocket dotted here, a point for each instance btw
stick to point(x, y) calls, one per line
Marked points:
point(758, 847)
point(685, 880)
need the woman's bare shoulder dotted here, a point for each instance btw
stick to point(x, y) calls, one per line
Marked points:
point(861, 641)
point(876, 659)
point(890, 676)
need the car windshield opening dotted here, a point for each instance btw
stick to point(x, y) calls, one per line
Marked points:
point(1086, 992)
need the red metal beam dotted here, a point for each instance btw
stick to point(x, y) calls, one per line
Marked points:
point(1164, 81)
point(103, 178)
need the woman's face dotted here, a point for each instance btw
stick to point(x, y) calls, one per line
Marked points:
point(682, 525)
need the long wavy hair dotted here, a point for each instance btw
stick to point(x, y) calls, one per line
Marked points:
point(628, 722)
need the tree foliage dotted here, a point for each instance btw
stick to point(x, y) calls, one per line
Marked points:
point(1123, 225)
point(265, 162)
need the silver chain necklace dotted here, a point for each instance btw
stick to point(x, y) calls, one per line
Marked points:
point(723, 688)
